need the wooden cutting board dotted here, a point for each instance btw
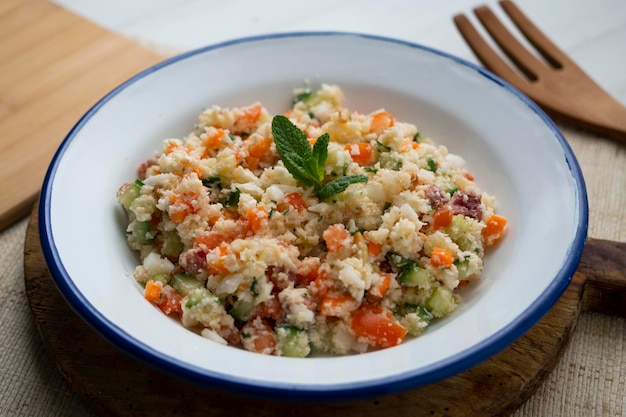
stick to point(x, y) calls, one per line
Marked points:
point(54, 66)
point(115, 384)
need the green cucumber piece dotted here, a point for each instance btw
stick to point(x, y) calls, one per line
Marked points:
point(142, 231)
point(130, 193)
point(422, 312)
point(242, 310)
point(198, 295)
point(440, 302)
point(398, 261)
point(293, 342)
point(415, 276)
point(161, 277)
point(172, 245)
point(185, 283)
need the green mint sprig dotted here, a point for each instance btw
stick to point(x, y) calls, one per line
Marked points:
point(304, 164)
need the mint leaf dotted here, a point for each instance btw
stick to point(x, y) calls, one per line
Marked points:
point(295, 166)
point(320, 152)
point(339, 185)
point(288, 138)
point(306, 166)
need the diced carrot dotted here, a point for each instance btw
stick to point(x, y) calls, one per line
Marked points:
point(209, 240)
point(260, 147)
point(381, 121)
point(380, 288)
point(337, 305)
point(469, 176)
point(373, 248)
point(257, 218)
point(296, 201)
point(442, 217)
point(171, 146)
point(494, 229)
point(214, 139)
point(440, 257)
point(408, 145)
point(219, 265)
point(378, 328)
point(250, 115)
point(152, 292)
point(178, 216)
point(312, 141)
point(361, 152)
point(336, 237)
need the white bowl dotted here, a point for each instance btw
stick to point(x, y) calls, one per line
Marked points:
point(513, 149)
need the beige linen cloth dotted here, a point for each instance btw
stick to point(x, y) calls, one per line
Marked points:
point(590, 379)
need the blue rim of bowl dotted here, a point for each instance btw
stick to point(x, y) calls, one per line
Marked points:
point(411, 379)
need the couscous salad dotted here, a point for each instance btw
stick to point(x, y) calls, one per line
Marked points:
point(322, 230)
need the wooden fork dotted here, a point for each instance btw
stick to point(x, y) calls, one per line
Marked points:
point(558, 85)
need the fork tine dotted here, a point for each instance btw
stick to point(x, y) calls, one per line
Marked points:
point(541, 42)
point(490, 59)
point(524, 60)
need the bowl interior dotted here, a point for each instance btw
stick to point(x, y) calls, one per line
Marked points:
point(512, 149)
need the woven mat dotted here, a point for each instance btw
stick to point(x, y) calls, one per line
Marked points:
point(590, 379)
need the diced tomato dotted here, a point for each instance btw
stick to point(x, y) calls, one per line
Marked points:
point(320, 286)
point(269, 309)
point(308, 269)
point(258, 336)
point(170, 301)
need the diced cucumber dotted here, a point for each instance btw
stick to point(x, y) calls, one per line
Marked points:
point(130, 193)
point(242, 309)
point(458, 230)
point(172, 246)
point(388, 161)
point(293, 342)
point(142, 232)
point(422, 312)
point(458, 226)
point(440, 302)
point(398, 261)
point(161, 277)
point(196, 296)
point(415, 276)
point(462, 266)
point(185, 283)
